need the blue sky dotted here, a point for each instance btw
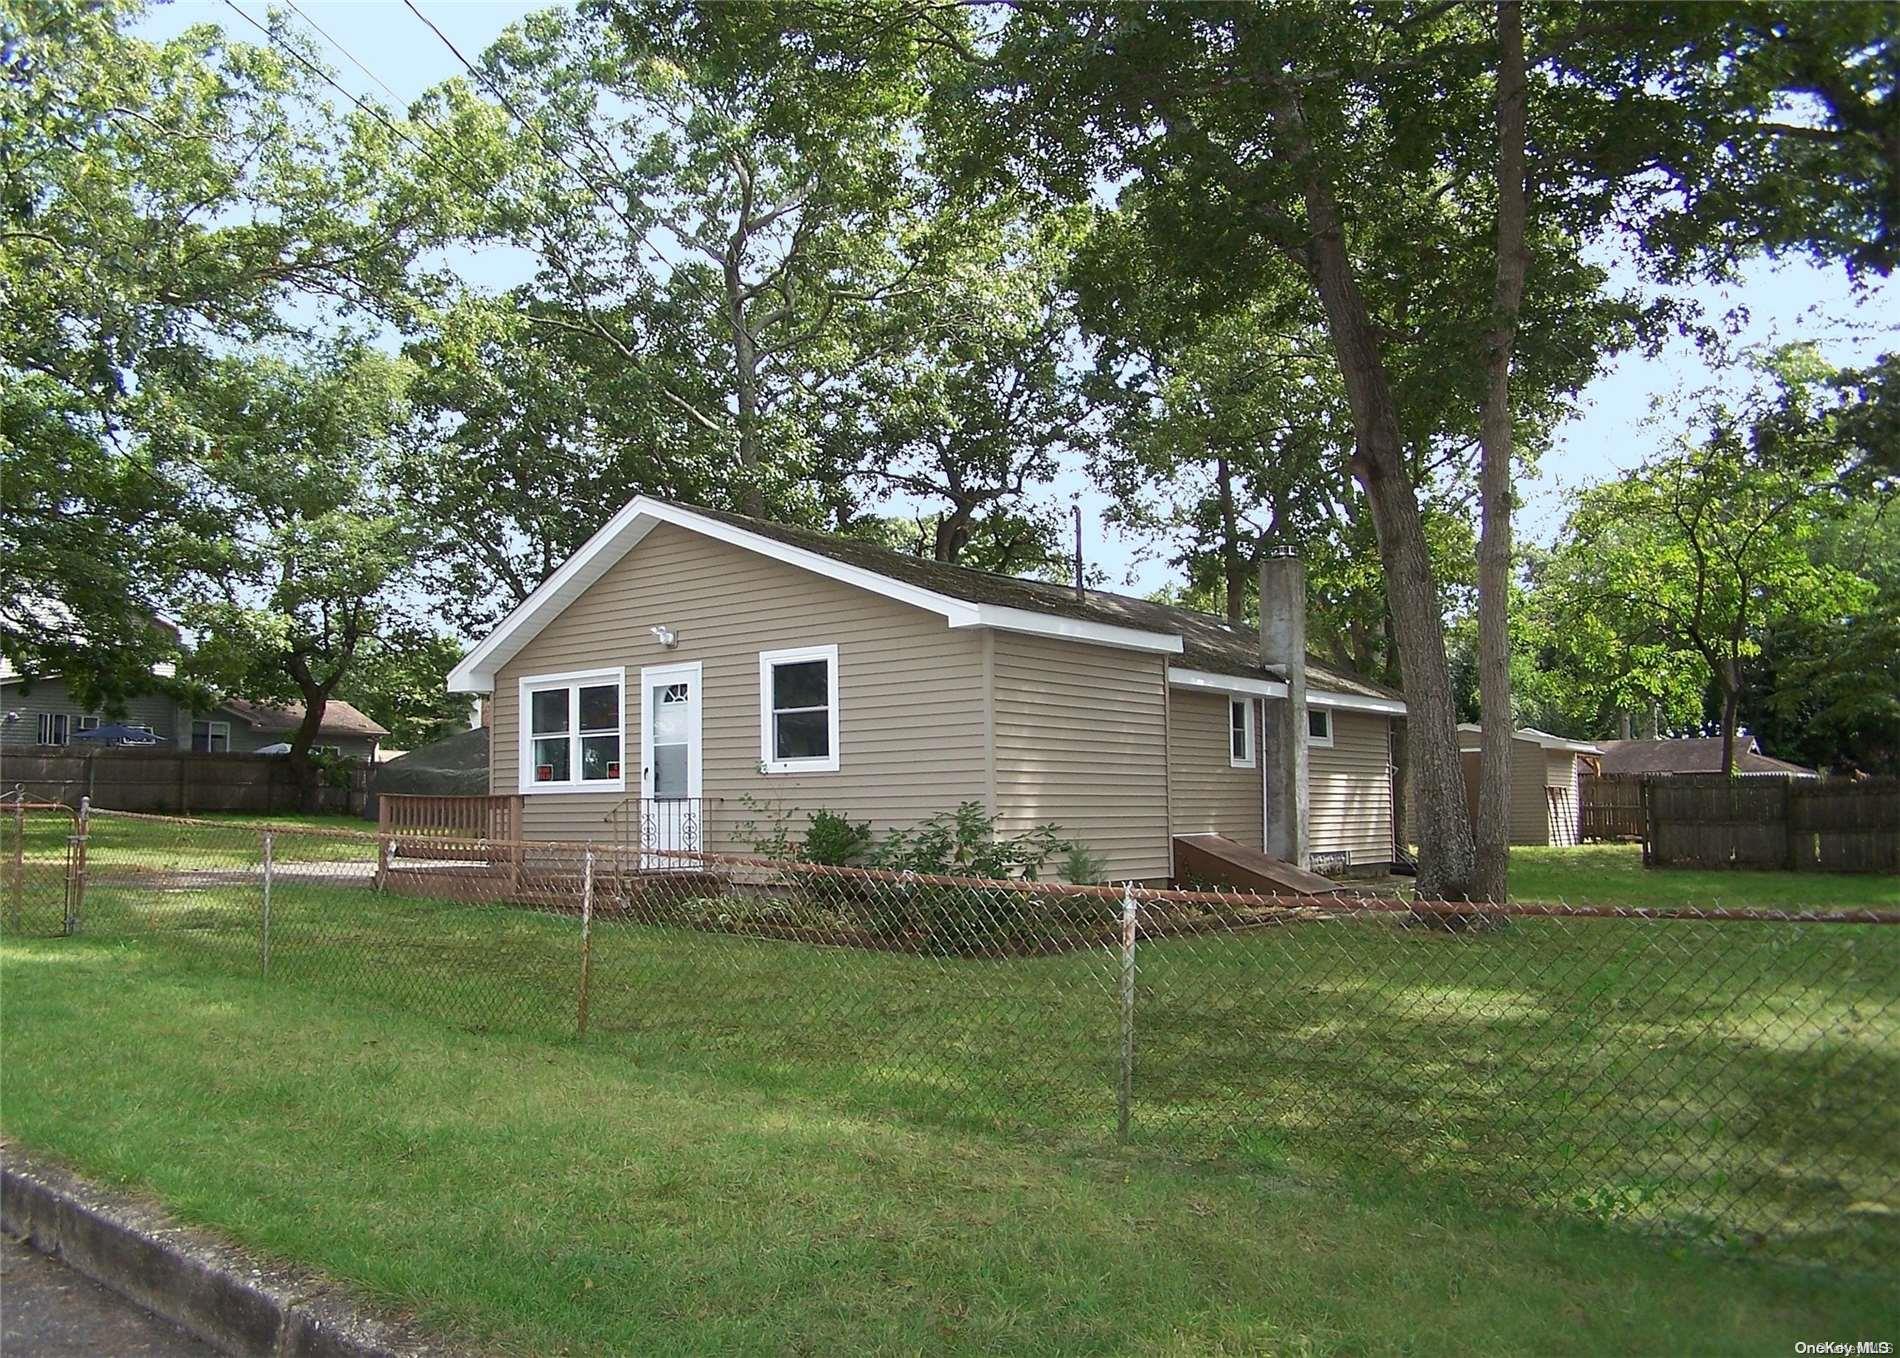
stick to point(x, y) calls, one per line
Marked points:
point(1617, 425)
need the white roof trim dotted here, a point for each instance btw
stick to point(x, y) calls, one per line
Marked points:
point(1355, 702)
point(1275, 688)
point(1537, 737)
point(623, 532)
point(1226, 683)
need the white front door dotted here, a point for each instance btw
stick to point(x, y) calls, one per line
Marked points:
point(670, 816)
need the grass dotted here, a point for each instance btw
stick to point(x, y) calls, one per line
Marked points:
point(213, 840)
point(542, 1196)
point(1720, 1080)
point(1613, 874)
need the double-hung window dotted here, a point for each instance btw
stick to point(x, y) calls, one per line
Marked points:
point(55, 728)
point(798, 710)
point(211, 737)
point(571, 731)
point(1240, 732)
point(1319, 726)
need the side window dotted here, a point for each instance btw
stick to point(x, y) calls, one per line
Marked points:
point(798, 710)
point(55, 728)
point(1240, 742)
point(1319, 726)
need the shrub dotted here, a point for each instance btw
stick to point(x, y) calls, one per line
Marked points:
point(1081, 864)
point(834, 841)
point(963, 843)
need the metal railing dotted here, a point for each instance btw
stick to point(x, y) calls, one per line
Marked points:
point(656, 827)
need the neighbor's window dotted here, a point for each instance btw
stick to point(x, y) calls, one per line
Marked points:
point(1319, 726)
point(572, 732)
point(88, 724)
point(211, 737)
point(1240, 732)
point(55, 728)
point(798, 710)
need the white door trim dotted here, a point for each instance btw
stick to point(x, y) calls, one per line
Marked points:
point(651, 676)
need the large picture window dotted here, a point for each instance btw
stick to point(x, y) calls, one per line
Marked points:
point(572, 727)
point(798, 710)
point(1240, 732)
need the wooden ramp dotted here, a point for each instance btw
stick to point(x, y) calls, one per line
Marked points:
point(1216, 858)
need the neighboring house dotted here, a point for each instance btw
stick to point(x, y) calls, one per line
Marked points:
point(1544, 789)
point(686, 653)
point(1693, 754)
point(242, 726)
point(42, 712)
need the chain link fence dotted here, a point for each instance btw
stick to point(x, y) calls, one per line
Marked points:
point(1724, 1075)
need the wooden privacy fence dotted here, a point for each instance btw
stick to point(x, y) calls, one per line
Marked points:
point(1609, 808)
point(1798, 824)
point(168, 781)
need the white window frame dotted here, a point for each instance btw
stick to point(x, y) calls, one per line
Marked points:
point(768, 660)
point(574, 681)
point(85, 723)
point(55, 723)
point(213, 729)
point(1326, 740)
point(1245, 707)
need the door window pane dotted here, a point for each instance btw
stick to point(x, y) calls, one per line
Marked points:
point(670, 769)
point(549, 706)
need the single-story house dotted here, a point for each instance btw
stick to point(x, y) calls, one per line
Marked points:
point(1544, 782)
point(699, 657)
point(42, 712)
point(1693, 754)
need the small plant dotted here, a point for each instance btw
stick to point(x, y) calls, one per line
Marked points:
point(773, 839)
point(964, 843)
point(1081, 865)
point(834, 841)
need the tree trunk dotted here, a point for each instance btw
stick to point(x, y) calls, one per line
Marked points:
point(1728, 678)
point(302, 771)
point(1233, 566)
point(1446, 850)
point(745, 368)
point(1493, 837)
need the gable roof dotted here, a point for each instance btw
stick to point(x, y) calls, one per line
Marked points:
point(1692, 754)
point(965, 597)
point(339, 717)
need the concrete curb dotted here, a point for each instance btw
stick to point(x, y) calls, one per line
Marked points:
point(200, 1284)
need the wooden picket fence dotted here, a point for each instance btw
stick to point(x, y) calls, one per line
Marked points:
point(1794, 824)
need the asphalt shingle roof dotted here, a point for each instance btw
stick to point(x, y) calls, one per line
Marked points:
point(1209, 642)
point(1689, 754)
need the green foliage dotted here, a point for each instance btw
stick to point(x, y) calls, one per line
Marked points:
point(833, 840)
point(399, 678)
point(1682, 572)
point(964, 843)
point(1081, 864)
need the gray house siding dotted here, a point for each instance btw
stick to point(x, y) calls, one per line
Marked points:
point(26, 703)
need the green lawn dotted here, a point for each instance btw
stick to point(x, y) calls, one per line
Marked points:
point(1613, 874)
point(212, 840)
point(542, 1196)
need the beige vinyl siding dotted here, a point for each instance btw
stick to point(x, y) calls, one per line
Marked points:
point(1349, 808)
point(1081, 739)
point(911, 698)
point(1206, 794)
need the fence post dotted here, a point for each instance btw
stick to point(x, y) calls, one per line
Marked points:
point(263, 939)
point(1125, 1086)
point(18, 874)
point(382, 843)
point(587, 932)
point(76, 868)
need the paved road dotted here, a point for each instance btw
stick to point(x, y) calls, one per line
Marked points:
point(48, 1311)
